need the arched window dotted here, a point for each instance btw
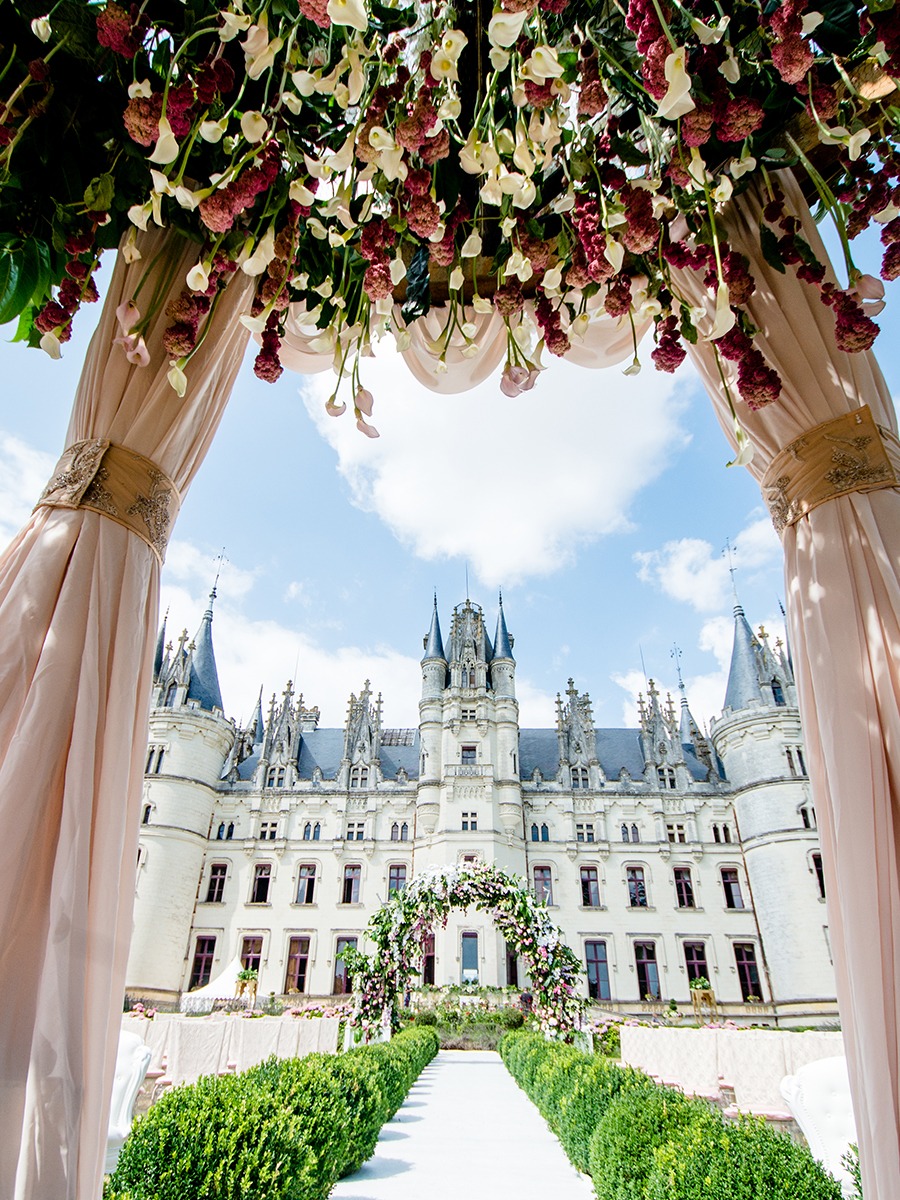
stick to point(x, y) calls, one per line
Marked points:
point(171, 693)
point(777, 693)
point(534, 833)
point(624, 833)
point(395, 832)
point(545, 834)
point(307, 831)
point(230, 833)
point(404, 832)
point(145, 819)
point(221, 831)
point(804, 817)
point(635, 834)
point(726, 833)
point(317, 829)
point(717, 837)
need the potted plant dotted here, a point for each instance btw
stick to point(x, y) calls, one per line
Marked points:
point(700, 984)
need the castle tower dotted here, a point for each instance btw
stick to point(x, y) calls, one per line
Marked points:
point(189, 743)
point(759, 740)
point(431, 720)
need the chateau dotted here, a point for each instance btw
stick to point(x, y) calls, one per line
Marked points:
point(663, 855)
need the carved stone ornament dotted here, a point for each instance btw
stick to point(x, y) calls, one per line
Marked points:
point(848, 454)
point(122, 485)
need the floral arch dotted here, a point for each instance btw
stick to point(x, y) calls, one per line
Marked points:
point(399, 928)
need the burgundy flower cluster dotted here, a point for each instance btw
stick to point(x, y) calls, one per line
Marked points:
point(669, 353)
point(122, 30)
point(376, 241)
point(652, 44)
point(592, 263)
point(791, 54)
point(315, 11)
point(219, 211)
point(187, 310)
point(758, 383)
point(143, 114)
point(592, 98)
point(77, 288)
point(854, 331)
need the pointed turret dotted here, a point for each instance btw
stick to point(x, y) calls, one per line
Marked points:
point(256, 728)
point(434, 646)
point(204, 682)
point(503, 643)
point(743, 677)
point(159, 656)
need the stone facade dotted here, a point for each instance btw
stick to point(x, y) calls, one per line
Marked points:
point(662, 854)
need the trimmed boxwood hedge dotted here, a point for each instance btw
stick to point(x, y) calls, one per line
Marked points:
point(642, 1141)
point(284, 1130)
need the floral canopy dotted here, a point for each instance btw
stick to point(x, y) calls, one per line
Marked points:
point(543, 163)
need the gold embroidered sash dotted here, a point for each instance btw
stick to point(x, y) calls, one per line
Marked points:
point(124, 486)
point(849, 454)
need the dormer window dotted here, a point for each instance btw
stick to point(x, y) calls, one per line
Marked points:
point(580, 777)
point(778, 693)
point(171, 693)
point(275, 778)
point(666, 777)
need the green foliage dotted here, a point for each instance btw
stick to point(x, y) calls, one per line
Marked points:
point(851, 1163)
point(284, 1130)
point(742, 1161)
point(638, 1120)
point(592, 1090)
point(427, 1017)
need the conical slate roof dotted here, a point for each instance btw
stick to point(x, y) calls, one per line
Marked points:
point(204, 684)
point(743, 677)
point(434, 646)
point(160, 649)
point(502, 643)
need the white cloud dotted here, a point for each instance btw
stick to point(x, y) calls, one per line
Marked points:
point(253, 653)
point(23, 478)
point(515, 486)
point(690, 570)
point(190, 564)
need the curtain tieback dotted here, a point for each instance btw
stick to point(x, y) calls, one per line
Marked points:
point(848, 454)
point(123, 485)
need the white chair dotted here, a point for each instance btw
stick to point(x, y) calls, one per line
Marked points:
point(818, 1096)
point(132, 1061)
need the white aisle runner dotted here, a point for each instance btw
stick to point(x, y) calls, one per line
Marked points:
point(466, 1130)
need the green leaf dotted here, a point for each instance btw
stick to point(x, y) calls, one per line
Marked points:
point(418, 286)
point(9, 274)
point(769, 245)
point(688, 328)
point(30, 272)
point(98, 195)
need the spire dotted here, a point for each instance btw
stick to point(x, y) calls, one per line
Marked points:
point(743, 677)
point(256, 728)
point(160, 648)
point(503, 643)
point(434, 646)
point(204, 683)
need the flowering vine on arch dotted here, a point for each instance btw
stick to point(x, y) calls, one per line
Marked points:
point(399, 928)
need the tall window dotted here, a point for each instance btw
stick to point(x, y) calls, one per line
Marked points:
point(469, 822)
point(777, 693)
point(307, 831)
point(201, 969)
point(666, 777)
point(684, 888)
point(317, 829)
point(428, 959)
point(216, 889)
point(251, 953)
point(155, 755)
point(590, 887)
point(221, 832)
point(306, 883)
point(396, 878)
point(597, 970)
point(470, 957)
point(545, 833)
point(748, 973)
point(647, 970)
point(352, 877)
point(171, 694)
point(624, 833)
point(695, 960)
point(468, 754)
point(580, 778)
point(726, 833)
point(230, 832)
point(804, 817)
point(145, 816)
point(535, 836)
point(342, 981)
point(395, 832)
point(637, 889)
point(356, 831)
point(635, 834)
point(676, 833)
point(731, 886)
point(297, 965)
point(359, 777)
point(543, 886)
point(584, 831)
point(512, 967)
point(820, 874)
point(268, 831)
point(404, 832)
point(262, 877)
point(717, 837)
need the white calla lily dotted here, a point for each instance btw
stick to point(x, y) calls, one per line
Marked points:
point(50, 342)
point(213, 131)
point(499, 58)
point(457, 279)
point(745, 448)
point(348, 12)
point(254, 126)
point(262, 255)
point(708, 35)
point(505, 27)
point(723, 316)
point(304, 82)
point(291, 102)
point(233, 23)
point(40, 27)
point(471, 247)
point(198, 277)
point(166, 148)
point(140, 89)
point(677, 100)
point(264, 61)
point(176, 377)
point(300, 193)
point(542, 64)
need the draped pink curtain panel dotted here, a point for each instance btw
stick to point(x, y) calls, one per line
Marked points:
point(841, 570)
point(78, 610)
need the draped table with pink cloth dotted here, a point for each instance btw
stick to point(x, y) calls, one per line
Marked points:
point(78, 601)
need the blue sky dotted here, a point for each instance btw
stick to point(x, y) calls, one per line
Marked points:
point(600, 504)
